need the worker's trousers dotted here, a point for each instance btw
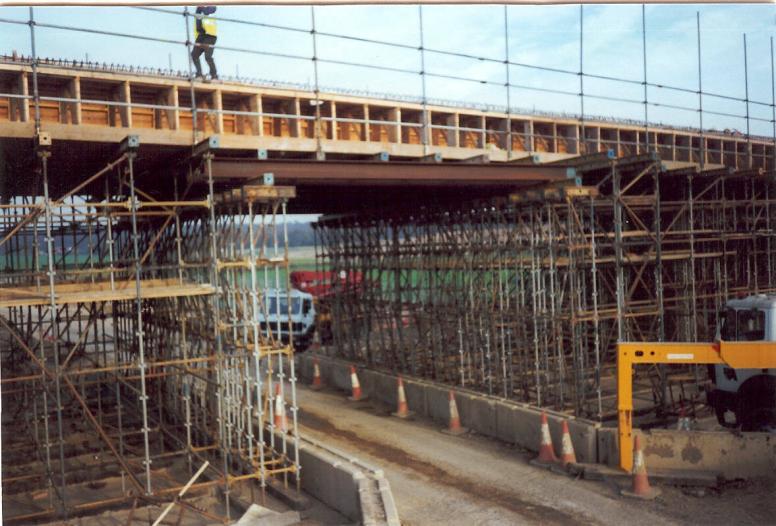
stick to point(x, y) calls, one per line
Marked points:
point(204, 45)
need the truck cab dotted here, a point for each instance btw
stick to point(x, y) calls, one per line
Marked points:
point(749, 394)
point(274, 319)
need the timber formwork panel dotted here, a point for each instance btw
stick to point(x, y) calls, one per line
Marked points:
point(161, 109)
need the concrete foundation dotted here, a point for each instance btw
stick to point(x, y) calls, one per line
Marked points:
point(731, 455)
point(350, 486)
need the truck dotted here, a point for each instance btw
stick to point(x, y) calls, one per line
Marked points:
point(310, 309)
point(276, 320)
point(745, 398)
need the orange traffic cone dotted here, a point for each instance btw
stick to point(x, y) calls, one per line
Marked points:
point(402, 410)
point(640, 488)
point(683, 424)
point(316, 345)
point(280, 421)
point(567, 455)
point(546, 452)
point(454, 427)
point(317, 384)
point(357, 395)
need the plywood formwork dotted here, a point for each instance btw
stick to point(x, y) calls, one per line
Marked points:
point(97, 104)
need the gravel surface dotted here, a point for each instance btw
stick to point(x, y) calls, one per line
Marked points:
point(441, 479)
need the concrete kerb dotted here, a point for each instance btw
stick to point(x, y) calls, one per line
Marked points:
point(340, 481)
point(506, 420)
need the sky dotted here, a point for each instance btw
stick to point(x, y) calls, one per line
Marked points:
point(537, 35)
point(547, 36)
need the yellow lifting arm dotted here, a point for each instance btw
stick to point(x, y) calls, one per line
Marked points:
point(738, 355)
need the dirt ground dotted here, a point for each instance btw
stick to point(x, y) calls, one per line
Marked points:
point(441, 479)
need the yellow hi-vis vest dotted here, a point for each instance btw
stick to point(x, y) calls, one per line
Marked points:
point(208, 26)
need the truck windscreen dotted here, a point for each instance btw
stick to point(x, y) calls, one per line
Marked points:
point(273, 307)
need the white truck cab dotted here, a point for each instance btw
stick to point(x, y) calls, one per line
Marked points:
point(750, 394)
point(276, 320)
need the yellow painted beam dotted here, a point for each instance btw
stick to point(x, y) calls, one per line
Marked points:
point(738, 355)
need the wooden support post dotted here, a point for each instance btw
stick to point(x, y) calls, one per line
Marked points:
point(452, 133)
point(483, 139)
point(333, 135)
point(296, 126)
point(553, 146)
point(673, 142)
point(218, 106)
point(504, 135)
point(173, 115)
point(394, 128)
point(22, 105)
point(397, 128)
point(125, 95)
point(70, 111)
point(257, 122)
point(365, 132)
point(425, 130)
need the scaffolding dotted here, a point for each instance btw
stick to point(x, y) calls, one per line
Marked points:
point(525, 298)
point(134, 358)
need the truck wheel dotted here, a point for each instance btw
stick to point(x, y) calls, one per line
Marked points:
point(757, 403)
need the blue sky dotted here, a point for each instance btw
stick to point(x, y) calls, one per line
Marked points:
point(538, 35)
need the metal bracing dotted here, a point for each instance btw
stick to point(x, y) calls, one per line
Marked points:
point(132, 348)
point(527, 298)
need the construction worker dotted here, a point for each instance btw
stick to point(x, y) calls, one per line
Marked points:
point(205, 30)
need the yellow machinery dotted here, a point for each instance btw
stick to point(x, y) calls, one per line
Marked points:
point(737, 355)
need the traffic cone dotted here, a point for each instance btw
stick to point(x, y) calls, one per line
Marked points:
point(281, 422)
point(683, 424)
point(567, 455)
point(640, 488)
point(316, 346)
point(357, 395)
point(402, 410)
point(546, 452)
point(317, 384)
point(454, 427)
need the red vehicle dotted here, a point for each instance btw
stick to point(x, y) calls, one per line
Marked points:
point(325, 283)
point(322, 286)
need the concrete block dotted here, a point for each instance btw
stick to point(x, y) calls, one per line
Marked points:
point(383, 388)
point(331, 481)
point(527, 424)
point(304, 367)
point(739, 455)
point(477, 413)
point(608, 449)
point(339, 376)
point(506, 420)
point(438, 404)
point(391, 514)
point(584, 436)
point(416, 397)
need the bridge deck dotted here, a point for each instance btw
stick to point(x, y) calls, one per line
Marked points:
point(104, 106)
